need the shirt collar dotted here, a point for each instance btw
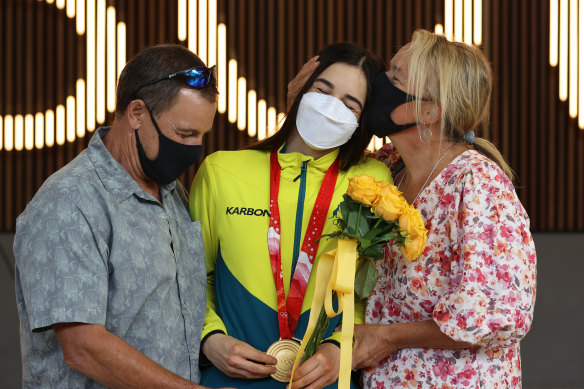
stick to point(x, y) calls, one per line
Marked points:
point(114, 177)
point(294, 159)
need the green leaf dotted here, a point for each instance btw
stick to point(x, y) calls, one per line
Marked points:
point(369, 214)
point(352, 222)
point(364, 243)
point(374, 251)
point(390, 226)
point(345, 208)
point(354, 205)
point(373, 233)
point(390, 235)
point(317, 335)
point(363, 224)
point(366, 278)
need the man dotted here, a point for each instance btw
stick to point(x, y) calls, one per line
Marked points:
point(110, 270)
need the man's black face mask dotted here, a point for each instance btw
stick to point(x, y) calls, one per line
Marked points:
point(172, 160)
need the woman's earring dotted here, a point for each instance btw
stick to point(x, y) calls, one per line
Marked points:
point(425, 133)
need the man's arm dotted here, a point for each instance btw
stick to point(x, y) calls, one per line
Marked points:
point(109, 360)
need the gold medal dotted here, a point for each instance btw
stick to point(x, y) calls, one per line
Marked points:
point(285, 351)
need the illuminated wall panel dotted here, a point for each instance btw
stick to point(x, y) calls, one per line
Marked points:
point(463, 21)
point(53, 52)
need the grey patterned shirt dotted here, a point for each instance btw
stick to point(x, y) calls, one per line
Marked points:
point(93, 247)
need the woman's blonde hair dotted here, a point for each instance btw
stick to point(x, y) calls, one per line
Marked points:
point(458, 77)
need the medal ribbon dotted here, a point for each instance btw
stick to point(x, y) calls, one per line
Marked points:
point(335, 272)
point(289, 311)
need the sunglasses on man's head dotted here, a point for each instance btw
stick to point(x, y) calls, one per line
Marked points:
point(197, 77)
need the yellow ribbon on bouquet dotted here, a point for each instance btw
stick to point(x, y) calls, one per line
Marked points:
point(336, 271)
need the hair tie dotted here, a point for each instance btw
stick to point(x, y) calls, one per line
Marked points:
point(469, 137)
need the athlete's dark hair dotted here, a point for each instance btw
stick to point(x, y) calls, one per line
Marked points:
point(351, 152)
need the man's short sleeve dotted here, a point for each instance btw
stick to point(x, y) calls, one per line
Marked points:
point(61, 275)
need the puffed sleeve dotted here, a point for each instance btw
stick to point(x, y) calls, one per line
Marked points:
point(60, 272)
point(202, 207)
point(493, 271)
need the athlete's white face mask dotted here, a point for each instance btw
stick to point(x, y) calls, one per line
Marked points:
point(324, 122)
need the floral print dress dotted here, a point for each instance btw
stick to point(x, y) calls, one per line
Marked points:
point(475, 279)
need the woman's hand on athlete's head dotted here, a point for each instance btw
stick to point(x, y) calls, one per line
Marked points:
point(298, 82)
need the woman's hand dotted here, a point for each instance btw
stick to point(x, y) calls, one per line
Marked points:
point(298, 82)
point(320, 370)
point(372, 344)
point(238, 359)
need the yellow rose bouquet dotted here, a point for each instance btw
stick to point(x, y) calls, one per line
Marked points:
point(371, 215)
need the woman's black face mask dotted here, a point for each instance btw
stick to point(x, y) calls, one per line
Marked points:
point(386, 98)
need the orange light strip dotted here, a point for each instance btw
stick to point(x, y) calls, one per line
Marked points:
point(101, 62)
point(252, 129)
point(192, 26)
point(60, 126)
point(563, 59)
point(241, 97)
point(50, 128)
point(581, 64)
point(468, 22)
point(29, 131)
point(18, 132)
point(573, 53)
point(554, 32)
point(39, 130)
point(232, 94)
point(91, 65)
point(182, 20)
point(80, 17)
point(8, 132)
point(80, 108)
point(111, 59)
point(70, 113)
point(478, 22)
point(222, 68)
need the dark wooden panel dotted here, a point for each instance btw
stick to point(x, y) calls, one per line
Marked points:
point(42, 57)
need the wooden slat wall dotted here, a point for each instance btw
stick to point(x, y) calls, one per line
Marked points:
point(41, 56)
point(530, 124)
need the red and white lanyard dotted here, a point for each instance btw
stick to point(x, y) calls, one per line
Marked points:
point(289, 311)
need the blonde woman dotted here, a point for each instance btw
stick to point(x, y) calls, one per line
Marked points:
point(454, 317)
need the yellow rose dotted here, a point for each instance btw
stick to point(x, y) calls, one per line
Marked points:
point(391, 204)
point(363, 188)
point(414, 246)
point(385, 187)
point(382, 186)
point(411, 222)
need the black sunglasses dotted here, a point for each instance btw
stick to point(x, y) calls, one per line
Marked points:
point(197, 77)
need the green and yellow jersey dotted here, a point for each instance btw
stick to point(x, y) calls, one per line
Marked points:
point(230, 196)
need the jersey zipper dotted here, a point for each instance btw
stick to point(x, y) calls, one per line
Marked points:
point(299, 214)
